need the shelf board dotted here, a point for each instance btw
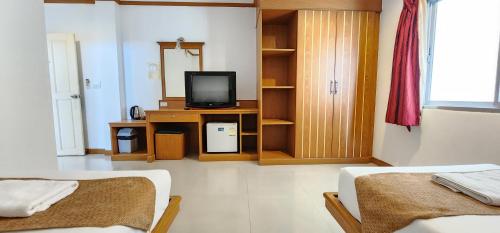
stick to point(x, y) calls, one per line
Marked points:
point(276, 122)
point(277, 52)
point(278, 87)
point(248, 133)
point(275, 155)
point(243, 156)
point(128, 123)
point(134, 156)
point(250, 152)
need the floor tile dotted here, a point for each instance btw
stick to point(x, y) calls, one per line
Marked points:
point(234, 197)
point(212, 214)
point(285, 214)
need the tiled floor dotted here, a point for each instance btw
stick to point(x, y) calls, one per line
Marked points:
point(233, 197)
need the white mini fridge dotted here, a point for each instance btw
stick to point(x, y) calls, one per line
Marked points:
point(222, 137)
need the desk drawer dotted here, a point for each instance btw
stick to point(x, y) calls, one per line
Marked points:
point(174, 117)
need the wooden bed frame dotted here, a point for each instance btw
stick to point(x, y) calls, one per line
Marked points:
point(168, 216)
point(345, 219)
point(341, 214)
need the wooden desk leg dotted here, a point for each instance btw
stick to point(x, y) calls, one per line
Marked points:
point(114, 140)
point(200, 136)
point(150, 141)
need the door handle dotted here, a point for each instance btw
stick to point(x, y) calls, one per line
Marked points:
point(74, 96)
point(334, 86)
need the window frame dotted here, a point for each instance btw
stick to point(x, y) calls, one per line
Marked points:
point(493, 106)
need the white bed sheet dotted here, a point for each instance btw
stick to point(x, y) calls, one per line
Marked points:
point(160, 178)
point(458, 224)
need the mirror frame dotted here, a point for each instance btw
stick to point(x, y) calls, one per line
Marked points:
point(172, 45)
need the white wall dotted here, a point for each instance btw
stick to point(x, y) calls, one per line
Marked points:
point(118, 42)
point(26, 123)
point(98, 37)
point(445, 137)
point(230, 44)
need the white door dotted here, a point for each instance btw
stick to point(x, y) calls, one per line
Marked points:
point(65, 88)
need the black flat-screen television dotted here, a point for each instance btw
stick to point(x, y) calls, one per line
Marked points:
point(210, 89)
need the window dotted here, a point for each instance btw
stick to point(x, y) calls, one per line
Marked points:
point(463, 68)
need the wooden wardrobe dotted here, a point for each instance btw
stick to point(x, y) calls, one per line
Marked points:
point(317, 79)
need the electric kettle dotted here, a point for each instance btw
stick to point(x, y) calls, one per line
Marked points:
point(135, 113)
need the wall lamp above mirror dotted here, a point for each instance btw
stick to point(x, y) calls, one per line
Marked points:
point(176, 58)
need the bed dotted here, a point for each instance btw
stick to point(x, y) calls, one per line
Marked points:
point(166, 206)
point(344, 205)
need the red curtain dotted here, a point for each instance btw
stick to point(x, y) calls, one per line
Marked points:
point(404, 98)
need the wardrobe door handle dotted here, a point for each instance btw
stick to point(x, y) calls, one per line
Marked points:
point(334, 86)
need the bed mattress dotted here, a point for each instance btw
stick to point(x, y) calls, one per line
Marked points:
point(160, 178)
point(465, 224)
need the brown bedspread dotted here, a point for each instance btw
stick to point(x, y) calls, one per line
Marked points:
point(391, 201)
point(127, 201)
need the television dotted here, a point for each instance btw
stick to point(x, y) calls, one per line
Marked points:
point(210, 89)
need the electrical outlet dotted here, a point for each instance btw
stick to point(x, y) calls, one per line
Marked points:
point(163, 104)
point(237, 104)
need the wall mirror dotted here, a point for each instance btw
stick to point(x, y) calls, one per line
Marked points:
point(177, 57)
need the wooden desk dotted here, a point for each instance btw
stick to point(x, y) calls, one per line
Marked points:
point(195, 119)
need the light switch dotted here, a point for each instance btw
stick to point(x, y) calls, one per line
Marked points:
point(153, 71)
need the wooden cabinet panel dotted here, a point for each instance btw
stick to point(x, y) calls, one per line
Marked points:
point(357, 5)
point(355, 72)
point(174, 117)
point(337, 59)
point(369, 87)
point(316, 62)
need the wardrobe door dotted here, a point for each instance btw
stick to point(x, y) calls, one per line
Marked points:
point(336, 81)
point(316, 49)
point(355, 75)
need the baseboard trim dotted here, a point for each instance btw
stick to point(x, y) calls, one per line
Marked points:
point(380, 163)
point(91, 151)
point(293, 161)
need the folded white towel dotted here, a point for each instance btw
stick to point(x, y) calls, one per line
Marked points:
point(23, 198)
point(483, 186)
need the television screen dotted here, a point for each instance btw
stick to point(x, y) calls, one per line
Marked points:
point(210, 89)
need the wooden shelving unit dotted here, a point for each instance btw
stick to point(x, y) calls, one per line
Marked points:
point(277, 92)
point(141, 154)
point(247, 137)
